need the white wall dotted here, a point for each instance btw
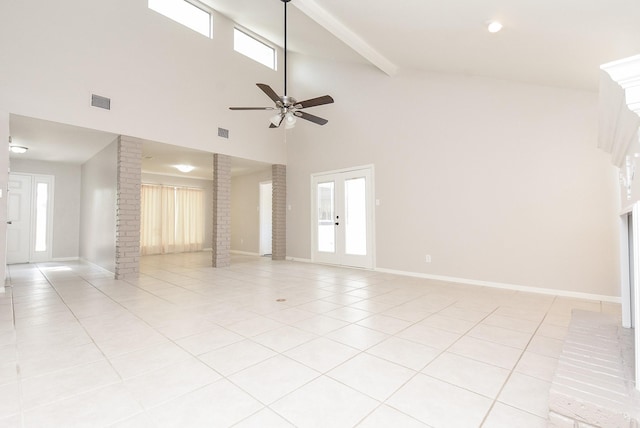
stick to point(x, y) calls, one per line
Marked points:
point(497, 181)
point(205, 185)
point(245, 217)
point(166, 82)
point(66, 203)
point(98, 208)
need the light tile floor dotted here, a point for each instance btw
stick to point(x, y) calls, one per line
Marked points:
point(187, 345)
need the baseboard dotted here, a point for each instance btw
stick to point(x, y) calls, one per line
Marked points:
point(244, 253)
point(65, 259)
point(97, 266)
point(296, 259)
point(500, 285)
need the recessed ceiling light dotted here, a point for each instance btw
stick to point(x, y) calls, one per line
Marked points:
point(17, 149)
point(185, 168)
point(494, 26)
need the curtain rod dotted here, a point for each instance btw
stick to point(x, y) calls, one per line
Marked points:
point(173, 186)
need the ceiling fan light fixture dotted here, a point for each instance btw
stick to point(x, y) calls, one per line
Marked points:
point(289, 121)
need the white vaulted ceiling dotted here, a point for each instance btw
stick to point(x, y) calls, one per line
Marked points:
point(549, 42)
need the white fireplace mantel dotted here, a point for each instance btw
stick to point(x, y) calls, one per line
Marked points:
point(619, 106)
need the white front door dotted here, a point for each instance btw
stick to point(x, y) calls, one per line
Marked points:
point(29, 217)
point(19, 218)
point(343, 218)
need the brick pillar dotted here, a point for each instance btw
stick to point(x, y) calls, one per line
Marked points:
point(129, 177)
point(221, 241)
point(279, 212)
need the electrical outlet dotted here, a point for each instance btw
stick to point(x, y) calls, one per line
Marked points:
point(427, 258)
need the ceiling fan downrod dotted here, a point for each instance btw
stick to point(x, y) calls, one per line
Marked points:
point(285, 45)
point(289, 109)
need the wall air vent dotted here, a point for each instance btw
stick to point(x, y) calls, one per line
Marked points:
point(100, 102)
point(224, 133)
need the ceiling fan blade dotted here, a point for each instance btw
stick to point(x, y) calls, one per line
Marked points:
point(251, 108)
point(270, 92)
point(279, 123)
point(311, 118)
point(325, 99)
point(287, 105)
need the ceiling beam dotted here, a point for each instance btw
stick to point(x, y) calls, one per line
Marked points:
point(351, 39)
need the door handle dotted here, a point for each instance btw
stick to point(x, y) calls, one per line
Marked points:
point(9, 222)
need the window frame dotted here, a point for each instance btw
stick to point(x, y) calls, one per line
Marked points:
point(200, 6)
point(261, 41)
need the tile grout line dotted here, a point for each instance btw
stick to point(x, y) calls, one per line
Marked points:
point(21, 408)
point(122, 380)
point(495, 400)
point(249, 276)
point(418, 372)
point(51, 284)
point(324, 374)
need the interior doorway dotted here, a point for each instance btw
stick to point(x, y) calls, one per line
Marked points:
point(629, 265)
point(630, 276)
point(632, 244)
point(29, 218)
point(266, 227)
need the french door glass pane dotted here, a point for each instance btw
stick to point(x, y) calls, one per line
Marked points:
point(355, 216)
point(326, 213)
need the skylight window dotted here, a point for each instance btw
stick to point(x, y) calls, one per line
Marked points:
point(185, 13)
point(254, 49)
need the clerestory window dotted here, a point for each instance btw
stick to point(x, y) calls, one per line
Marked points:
point(185, 13)
point(254, 48)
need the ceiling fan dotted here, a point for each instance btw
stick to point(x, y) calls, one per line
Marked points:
point(289, 109)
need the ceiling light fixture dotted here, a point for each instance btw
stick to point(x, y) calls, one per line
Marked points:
point(18, 149)
point(494, 26)
point(289, 120)
point(184, 168)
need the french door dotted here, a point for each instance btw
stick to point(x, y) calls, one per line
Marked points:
point(342, 218)
point(29, 218)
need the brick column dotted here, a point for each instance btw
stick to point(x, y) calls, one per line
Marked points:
point(279, 212)
point(221, 241)
point(129, 177)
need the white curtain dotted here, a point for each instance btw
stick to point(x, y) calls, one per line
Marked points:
point(151, 220)
point(189, 233)
point(171, 219)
